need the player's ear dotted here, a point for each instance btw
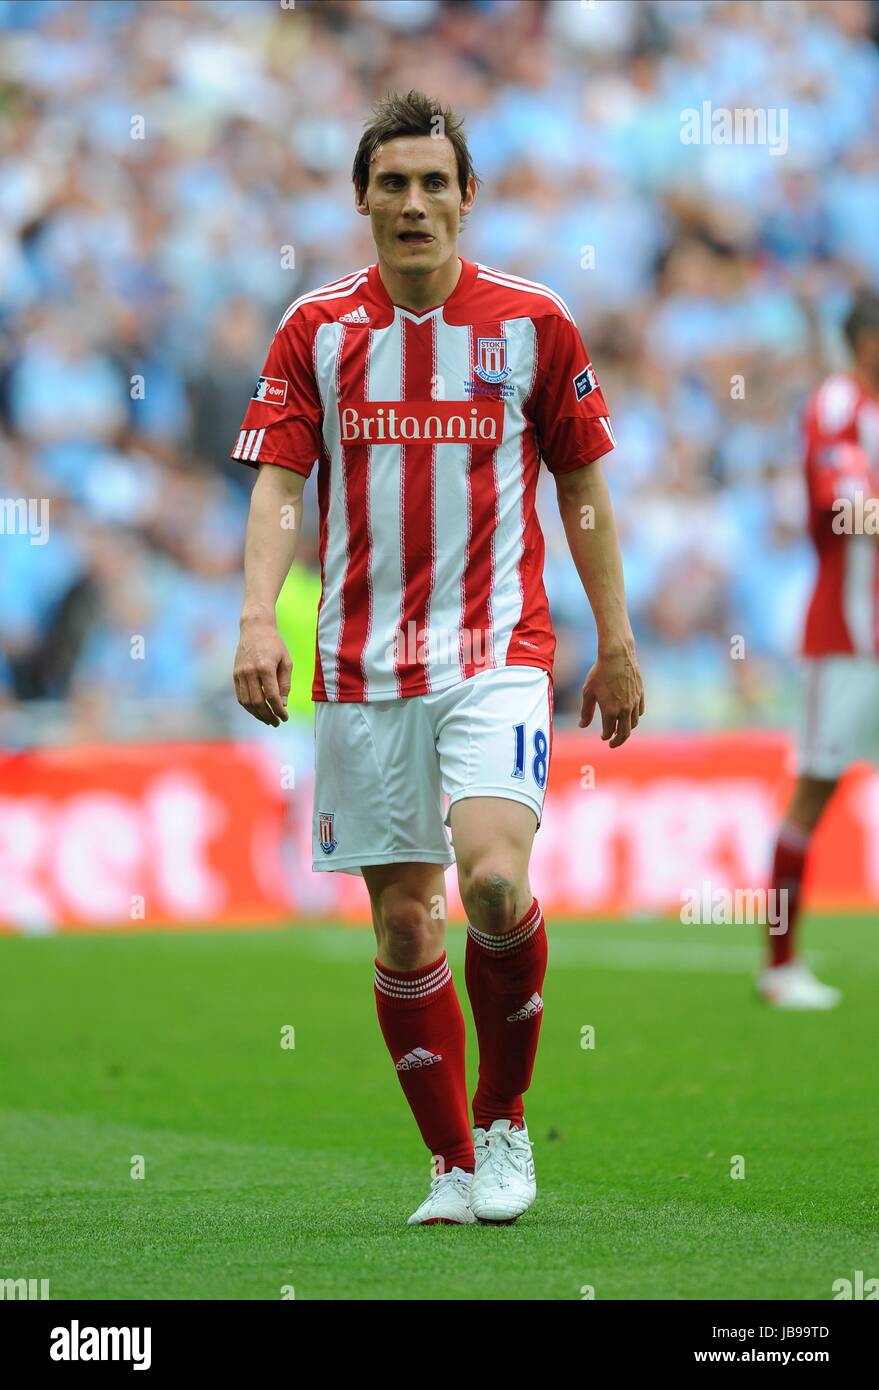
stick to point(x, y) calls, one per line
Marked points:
point(469, 197)
point(361, 203)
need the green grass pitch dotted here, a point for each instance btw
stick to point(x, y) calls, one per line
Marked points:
point(267, 1168)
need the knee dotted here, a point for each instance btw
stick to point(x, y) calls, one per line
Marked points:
point(408, 936)
point(490, 896)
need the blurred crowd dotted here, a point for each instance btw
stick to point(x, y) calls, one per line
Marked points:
point(173, 174)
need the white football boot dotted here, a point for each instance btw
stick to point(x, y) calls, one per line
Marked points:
point(504, 1184)
point(447, 1203)
point(793, 986)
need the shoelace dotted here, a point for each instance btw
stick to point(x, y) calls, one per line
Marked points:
point(512, 1150)
point(455, 1175)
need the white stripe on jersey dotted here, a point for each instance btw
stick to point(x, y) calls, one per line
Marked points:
point(857, 593)
point(506, 602)
point(603, 420)
point(236, 452)
point(384, 517)
point(256, 446)
point(451, 514)
point(327, 342)
point(835, 404)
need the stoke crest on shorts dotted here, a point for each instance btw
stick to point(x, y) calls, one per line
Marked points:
point(328, 840)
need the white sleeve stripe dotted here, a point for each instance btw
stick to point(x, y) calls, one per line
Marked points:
point(515, 282)
point(251, 436)
point(603, 420)
point(318, 296)
point(835, 404)
point(236, 452)
point(254, 453)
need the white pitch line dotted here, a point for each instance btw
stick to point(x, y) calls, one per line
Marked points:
point(678, 957)
point(675, 957)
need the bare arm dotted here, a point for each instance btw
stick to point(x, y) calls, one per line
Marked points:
point(614, 683)
point(262, 662)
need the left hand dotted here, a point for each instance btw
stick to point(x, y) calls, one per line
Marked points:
point(615, 685)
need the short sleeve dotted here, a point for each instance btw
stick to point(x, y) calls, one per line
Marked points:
point(569, 411)
point(838, 464)
point(284, 419)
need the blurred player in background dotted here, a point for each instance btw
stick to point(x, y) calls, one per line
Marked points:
point(841, 642)
point(427, 389)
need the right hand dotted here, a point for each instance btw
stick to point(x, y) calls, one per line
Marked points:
point(262, 672)
point(614, 684)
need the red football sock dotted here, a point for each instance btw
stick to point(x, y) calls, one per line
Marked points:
point(791, 850)
point(504, 978)
point(422, 1024)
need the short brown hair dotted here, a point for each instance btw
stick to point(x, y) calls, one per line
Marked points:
point(862, 317)
point(394, 116)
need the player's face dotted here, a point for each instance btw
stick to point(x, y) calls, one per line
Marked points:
point(414, 202)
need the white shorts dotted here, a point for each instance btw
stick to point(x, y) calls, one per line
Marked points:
point(382, 767)
point(841, 715)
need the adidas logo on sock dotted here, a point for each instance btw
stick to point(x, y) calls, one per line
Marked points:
point(358, 315)
point(418, 1057)
point(529, 1009)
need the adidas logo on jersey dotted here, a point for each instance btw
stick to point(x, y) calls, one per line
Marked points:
point(418, 1057)
point(530, 1009)
point(358, 315)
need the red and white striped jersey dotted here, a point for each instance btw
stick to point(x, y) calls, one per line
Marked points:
point(842, 476)
point(428, 431)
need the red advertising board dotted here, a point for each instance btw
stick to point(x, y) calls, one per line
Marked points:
point(162, 836)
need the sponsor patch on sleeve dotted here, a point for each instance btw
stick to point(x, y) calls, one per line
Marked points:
point(585, 382)
point(271, 390)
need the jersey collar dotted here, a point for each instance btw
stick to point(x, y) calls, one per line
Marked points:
point(465, 282)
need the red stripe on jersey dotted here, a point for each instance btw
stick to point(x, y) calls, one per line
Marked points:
point(417, 504)
point(352, 366)
point(477, 580)
point(826, 628)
